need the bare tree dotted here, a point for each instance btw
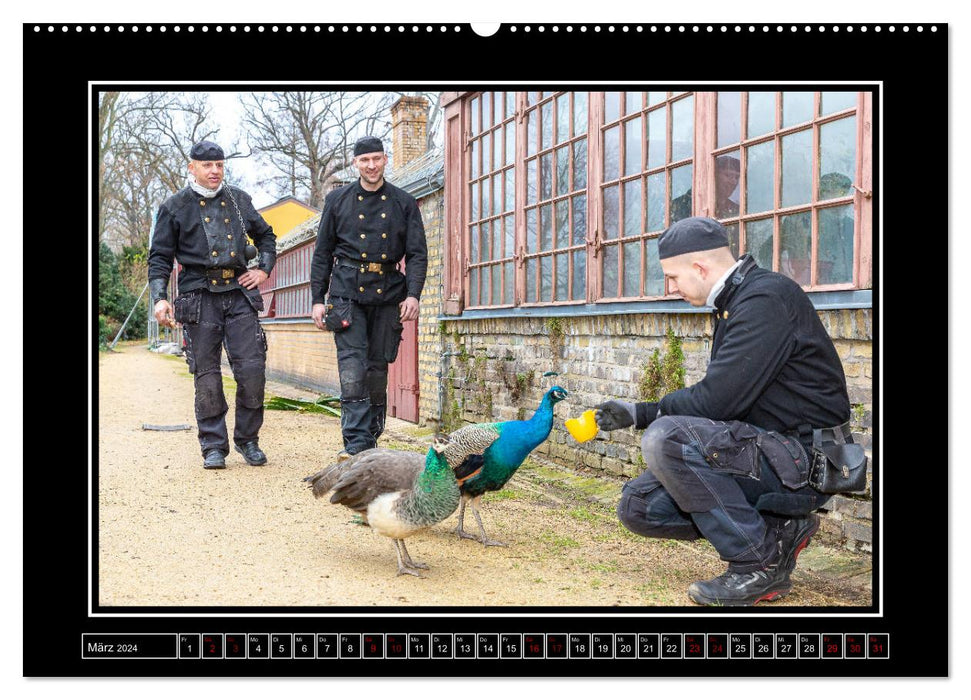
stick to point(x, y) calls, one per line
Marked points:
point(144, 141)
point(305, 137)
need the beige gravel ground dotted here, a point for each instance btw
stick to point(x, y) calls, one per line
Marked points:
point(174, 534)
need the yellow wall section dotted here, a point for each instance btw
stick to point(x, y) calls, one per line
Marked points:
point(285, 215)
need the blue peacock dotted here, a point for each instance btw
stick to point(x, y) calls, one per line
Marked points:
point(511, 443)
point(400, 493)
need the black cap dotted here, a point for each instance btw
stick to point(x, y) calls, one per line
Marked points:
point(206, 150)
point(690, 236)
point(368, 144)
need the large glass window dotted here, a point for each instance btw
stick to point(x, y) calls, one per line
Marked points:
point(554, 252)
point(648, 150)
point(785, 166)
point(568, 192)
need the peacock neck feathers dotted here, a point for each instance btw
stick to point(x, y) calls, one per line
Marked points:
point(435, 495)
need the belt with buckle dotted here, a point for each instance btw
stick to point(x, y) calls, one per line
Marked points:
point(367, 266)
point(221, 275)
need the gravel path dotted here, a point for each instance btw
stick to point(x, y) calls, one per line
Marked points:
point(174, 534)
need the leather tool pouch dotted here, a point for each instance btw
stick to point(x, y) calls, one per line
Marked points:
point(338, 316)
point(837, 467)
point(787, 457)
point(188, 307)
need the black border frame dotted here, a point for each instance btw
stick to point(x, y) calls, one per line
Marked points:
point(52, 630)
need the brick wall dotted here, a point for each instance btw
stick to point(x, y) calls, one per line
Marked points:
point(409, 123)
point(494, 371)
point(429, 338)
point(299, 354)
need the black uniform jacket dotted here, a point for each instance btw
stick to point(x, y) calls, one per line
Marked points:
point(206, 233)
point(361, 238)
point(772, 363)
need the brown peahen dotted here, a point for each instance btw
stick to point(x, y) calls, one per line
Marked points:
point(400, 493)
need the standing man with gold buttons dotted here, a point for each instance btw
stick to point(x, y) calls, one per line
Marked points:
point(205, 226)
point(366, 229)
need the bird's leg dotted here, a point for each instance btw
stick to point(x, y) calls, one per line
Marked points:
point(403, 567)
point(409, 561)
point(484, 539)
point(460, 530)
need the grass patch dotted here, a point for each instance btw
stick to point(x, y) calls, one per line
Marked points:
point(503, 495)
point(558, 542)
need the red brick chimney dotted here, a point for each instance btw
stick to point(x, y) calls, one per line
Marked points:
point(409, 126)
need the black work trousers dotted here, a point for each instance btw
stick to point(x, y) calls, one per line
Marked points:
point(226, 319)
point(364, 350)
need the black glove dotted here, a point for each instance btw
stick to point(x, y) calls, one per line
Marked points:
point(614, 415)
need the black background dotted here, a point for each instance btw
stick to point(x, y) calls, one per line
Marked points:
point(907, 116)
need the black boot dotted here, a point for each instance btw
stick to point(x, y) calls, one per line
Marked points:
point(794, 534)
point(214, 459)
point(252, 453)
point(733, 588)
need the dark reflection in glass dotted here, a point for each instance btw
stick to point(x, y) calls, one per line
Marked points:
point(579, 113)
point(531, 280)
point(579, 290)
point(562, 170)
point(758, 189)
point(532, 231)
point(546, 278)
point(612, 153)
point(562, 212)
point(795, 246)
point(508, 283)
point(496, 281)
point(837, 158)
point(563, 117)
point(681, 193)
point(611, 211)
point(761, 113)
point(632, 207)
point(531, 121)
point(683, 128)
point(580, 164)
point(509, 235)
point(475, 159)
point(732, 230)
point(729, 118)
point(510, 189)
point(797, 168)
point(797, 107)
point(474, 212)
point(474, 286)
point(547, 131)
point(497, 239)
point(727, 174)
point(610, 271)
point(545, 227)
point(830, 102)
point(835, 257)
point(758, 241)
point(632, 269)
point(656, 195)
point(486, 245)
point(474, 244)
point(531, 177)
point(562, 276)
point(486, 110)
point(632, 146)
point(546, 176)
point(657, 138)
point(497, 193)
point(611, 107)
point(654, 283)
point(486, 198)
point(579, 220)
